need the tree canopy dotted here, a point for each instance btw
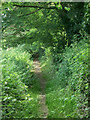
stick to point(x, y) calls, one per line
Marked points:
point(51, 23)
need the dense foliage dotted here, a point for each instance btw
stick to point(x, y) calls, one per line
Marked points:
point(16, 84)
point(56, 33)
point(68, 87)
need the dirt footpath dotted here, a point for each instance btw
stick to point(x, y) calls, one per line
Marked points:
point(42, 97)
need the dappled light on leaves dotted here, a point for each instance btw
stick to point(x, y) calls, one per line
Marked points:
point(45, 60)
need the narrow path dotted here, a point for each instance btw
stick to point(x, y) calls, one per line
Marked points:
point(42, 97)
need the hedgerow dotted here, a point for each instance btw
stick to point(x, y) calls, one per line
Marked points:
point(16, 79)
point(67, 86)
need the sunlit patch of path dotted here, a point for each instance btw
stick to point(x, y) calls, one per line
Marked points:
point(42, 97)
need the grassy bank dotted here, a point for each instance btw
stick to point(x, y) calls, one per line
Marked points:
point(67, 82)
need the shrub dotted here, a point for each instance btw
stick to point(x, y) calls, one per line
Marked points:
point(16, 78)
point(67, 86)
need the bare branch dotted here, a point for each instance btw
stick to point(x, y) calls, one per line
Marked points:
point(35, 6)
point(30, 13)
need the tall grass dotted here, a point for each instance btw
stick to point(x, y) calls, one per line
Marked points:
point(67, 87)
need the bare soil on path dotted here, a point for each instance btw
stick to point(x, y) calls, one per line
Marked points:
point(42, 97)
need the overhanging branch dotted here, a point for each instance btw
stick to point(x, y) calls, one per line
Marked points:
point(34, 6)
point(30, 13)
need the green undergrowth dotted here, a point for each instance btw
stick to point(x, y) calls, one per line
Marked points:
point(20, 87)
point(67, 82)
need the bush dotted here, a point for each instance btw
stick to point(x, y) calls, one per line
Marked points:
point(16, 78)
point(67, 86)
